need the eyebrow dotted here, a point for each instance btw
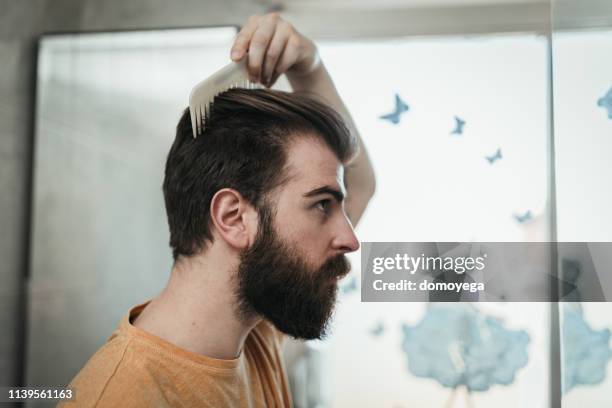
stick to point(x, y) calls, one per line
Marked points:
point(338, 195)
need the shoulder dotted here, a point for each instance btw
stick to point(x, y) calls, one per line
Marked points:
point(112, 377)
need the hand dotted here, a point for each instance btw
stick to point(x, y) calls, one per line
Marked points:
point(274, 48)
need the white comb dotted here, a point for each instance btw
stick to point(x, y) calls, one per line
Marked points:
point(233, 75)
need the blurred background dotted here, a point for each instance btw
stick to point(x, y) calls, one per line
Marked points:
point(505, 135)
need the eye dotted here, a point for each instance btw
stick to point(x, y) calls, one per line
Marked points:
point(324, 205)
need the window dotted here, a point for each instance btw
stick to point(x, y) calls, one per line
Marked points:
point(436, 184)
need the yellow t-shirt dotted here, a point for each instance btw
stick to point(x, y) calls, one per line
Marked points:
point(137, 369)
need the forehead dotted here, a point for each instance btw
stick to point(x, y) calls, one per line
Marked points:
point(312, 164)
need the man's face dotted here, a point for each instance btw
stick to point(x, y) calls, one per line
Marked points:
point(290, 273)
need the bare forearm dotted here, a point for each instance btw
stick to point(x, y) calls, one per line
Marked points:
point(359, 174)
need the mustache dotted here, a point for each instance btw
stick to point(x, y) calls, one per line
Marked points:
point(336, 267)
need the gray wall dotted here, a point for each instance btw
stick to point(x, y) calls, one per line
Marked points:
point(21, 22)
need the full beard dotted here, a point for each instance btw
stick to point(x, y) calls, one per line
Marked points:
point(275, 282)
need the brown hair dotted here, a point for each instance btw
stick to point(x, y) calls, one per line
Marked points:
point(242, 147)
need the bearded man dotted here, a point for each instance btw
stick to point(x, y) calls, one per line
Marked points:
point(261, 209)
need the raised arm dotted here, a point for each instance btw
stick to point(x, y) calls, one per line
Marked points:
point(274, 48)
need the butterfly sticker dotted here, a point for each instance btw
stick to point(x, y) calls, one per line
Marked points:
point(495, 157)
point(400, 107)
point(377, 330)
point(606, 103)
point(523, 218)
point(459, 123)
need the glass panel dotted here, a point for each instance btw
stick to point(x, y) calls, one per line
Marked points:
point(465, 158)
point(582, 67)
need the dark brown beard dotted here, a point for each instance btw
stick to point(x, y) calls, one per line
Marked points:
point(274, 281)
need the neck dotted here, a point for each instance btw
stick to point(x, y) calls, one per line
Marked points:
point(197, 309)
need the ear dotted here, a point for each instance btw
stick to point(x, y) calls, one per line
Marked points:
point(235, 220)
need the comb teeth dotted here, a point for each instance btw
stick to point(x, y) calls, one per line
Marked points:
point(233, 75)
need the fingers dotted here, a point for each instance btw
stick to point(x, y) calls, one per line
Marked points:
point(275, 51)
point(273, 46)
point(259, 45)
point(287, 59)
point(243, 39)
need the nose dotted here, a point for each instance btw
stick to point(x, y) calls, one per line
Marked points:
point(345, 240)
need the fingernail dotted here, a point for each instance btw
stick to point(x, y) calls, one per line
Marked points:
point(235, 54)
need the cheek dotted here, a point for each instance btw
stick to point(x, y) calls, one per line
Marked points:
point(304, 231)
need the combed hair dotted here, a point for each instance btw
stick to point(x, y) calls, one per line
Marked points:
point(243, 147)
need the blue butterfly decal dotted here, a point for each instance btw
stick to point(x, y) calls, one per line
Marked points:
point(400, 107)
point(523, 218)
point(377, 330)
point(459, 123)
point(495, 157)
point(606, 103)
